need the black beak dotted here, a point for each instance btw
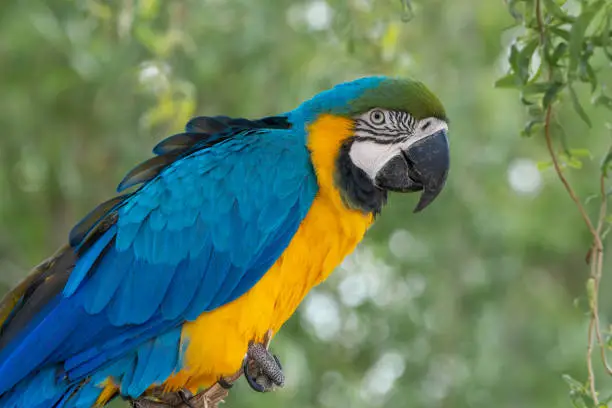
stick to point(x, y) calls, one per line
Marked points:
point(422, 167)
point(430, 161)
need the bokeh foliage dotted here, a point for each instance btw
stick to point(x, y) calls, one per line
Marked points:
point(561, 44)
point(479, 301)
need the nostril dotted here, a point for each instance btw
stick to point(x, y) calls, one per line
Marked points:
point(426, 126)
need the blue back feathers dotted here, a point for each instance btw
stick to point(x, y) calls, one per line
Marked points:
point(215, 208)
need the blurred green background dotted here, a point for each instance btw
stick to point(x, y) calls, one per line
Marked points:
point(476, 302)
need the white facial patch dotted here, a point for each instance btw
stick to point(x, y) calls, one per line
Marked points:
point(371, 154)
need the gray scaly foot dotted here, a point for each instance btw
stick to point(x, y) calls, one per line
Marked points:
point(262, 369)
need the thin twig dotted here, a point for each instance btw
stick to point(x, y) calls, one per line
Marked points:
point(598, 270)
point(596, 250)
point(591, 372)
point(597, 241)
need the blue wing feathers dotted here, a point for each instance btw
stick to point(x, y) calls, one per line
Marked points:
point(212, 279)
point(140, 294)
point(40, 392)
point(126, 348)
point(181, 290)
point(101, 287)
point(84, 265)
point(199, 233)
point(137, 384)
point(267, 256)
point(156, 360)
point(51, 328)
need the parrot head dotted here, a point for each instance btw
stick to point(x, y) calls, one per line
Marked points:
point(397, 140)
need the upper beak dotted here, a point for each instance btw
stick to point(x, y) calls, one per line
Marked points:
point(429, 160)
point(423, 166)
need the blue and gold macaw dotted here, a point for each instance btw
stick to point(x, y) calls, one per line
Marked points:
point(231, 224)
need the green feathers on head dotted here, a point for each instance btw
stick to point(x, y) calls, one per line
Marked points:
point(358, 96)
point(403, 95)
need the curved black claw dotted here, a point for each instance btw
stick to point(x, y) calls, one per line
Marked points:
point(185, 396)
point(224, 383)
point(263, 370)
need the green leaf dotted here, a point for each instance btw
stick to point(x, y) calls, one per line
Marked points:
point(606, 163)
point(524, 58)
point(605, 36)
point(603, 100)
point(570, 161)
point(578, 393)
point(512, 7)
point(578, 107)
point(551, 94)
point(407, 11)
point(591, 76)
point(559, 32)
point(578, 400)
point(560, 51)
point(537, 88)
point(526, 101)
point(531, 127)
point(529, 17)
point(554, 9)
point(536, 112)
point(508, 81)
point(590, 198)
point(513, 59)
point(574, 384)
point(543, 165)
point(562, 136)
point(529, 48)
point(578, 31)
point(580, 153)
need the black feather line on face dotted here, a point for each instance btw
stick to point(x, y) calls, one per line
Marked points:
point(357, 190)
point(381, 140)
point(397, 123)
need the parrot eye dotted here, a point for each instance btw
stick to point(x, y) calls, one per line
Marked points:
point(377, 117)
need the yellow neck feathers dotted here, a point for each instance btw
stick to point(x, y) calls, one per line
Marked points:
point(325, 137)
point(217, 340)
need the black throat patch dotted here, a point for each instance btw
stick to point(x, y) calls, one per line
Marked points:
point(357, 190)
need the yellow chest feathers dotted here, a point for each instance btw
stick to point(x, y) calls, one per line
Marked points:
point(216, 341)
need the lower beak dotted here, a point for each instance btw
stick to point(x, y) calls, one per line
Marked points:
point(421, 167)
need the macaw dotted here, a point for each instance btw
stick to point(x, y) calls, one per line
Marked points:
point(220, 237)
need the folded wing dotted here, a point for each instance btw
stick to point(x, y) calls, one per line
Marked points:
point(213, 212)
